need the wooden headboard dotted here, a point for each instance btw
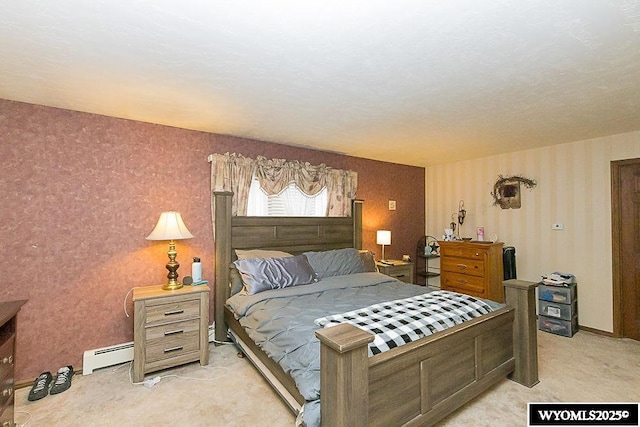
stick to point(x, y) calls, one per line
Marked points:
point(290, 234)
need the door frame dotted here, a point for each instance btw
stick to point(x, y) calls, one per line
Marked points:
point(616, 247)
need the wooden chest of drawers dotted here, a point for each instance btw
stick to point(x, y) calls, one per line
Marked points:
point(8, 328)
point(472, 268)
point(170, 328)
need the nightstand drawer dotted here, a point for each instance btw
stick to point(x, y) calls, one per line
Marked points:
point(463, 266)
point(470, 285)
point(402, 273)
point(172, 312)
point(172, 340)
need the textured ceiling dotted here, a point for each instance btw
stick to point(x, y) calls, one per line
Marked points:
point(415, 82)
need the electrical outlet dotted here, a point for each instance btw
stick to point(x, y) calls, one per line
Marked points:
point(557, 226)
point(392, 205)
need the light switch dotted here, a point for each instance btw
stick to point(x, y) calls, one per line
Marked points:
point(392, 205)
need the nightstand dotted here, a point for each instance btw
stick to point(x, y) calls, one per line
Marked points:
point(170, 328)
point(401, 270)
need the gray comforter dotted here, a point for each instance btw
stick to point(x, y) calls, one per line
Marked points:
point(281, 322)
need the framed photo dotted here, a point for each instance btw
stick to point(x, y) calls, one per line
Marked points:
point(510, 194)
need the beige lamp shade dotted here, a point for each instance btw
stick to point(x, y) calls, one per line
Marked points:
point(383, 237)
point(170, 226)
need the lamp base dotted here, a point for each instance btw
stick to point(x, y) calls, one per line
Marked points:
point(172, 286)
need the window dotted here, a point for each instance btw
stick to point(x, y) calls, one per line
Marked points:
point(289, 202)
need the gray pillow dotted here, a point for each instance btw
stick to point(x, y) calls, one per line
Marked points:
point(368, 260)
point(337, 262)
point(260, 253)
point(262, 274)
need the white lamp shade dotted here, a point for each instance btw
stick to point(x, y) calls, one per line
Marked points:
point(170, 226)
point(383, 237)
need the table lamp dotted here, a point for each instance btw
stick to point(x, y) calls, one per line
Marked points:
point(171, 227)
point(383, 237)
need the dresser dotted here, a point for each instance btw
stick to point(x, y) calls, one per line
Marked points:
point(472, 268)
point(170, 328)
point(8, 320)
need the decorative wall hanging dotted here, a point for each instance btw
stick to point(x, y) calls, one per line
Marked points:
point(506, 191)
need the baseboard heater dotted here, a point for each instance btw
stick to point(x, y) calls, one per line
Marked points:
point(106, 356)
point(115, 355)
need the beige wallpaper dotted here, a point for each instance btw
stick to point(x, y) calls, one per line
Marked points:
point(573, 188)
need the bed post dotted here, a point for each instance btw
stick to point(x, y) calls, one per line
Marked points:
point(520, 295)
point(344, 375)
point(356, 213)
point(222, 243)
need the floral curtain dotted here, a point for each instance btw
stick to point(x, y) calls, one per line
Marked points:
point(233, 172)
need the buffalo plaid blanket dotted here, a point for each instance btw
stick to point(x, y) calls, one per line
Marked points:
point(398, 322)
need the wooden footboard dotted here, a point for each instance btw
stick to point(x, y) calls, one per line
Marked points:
point(423, 382)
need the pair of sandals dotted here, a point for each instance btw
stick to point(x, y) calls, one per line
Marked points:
point(41, 385)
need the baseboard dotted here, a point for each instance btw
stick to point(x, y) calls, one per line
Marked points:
point(596, 331)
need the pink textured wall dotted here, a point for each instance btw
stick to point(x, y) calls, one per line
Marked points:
point(79, 194)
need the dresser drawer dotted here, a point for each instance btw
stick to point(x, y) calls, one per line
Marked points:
point(6, 417)
point(463, 266)
point(470, 285)
point(6, 358)
point(172, 340)
point(462, 251)
point(6, 390)
point(172, 312)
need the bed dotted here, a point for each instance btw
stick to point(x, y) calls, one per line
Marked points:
point(418, 383)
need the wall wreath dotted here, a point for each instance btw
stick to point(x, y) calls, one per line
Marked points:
point(506, 191)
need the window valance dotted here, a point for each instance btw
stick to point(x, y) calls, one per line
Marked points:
point(234, 172)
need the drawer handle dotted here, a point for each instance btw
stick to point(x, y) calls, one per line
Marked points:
point(461, 281)
point(461, 266)
point(172, 312)
point(176, 348)
point(7, 360)
point(477, 254)
point(176, 331)
point(7, 392)
point(400, 275)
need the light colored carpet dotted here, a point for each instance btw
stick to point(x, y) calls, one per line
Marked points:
point(229, 392)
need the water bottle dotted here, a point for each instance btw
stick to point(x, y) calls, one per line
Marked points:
point(196, 270)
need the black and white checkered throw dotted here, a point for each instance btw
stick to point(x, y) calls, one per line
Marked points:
point(398, 322)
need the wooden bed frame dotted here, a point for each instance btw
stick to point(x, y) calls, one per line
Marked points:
point(416, 384)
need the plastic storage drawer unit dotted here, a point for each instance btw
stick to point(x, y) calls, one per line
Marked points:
point(565, 328)
point(557, 294)
point(558, 311)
